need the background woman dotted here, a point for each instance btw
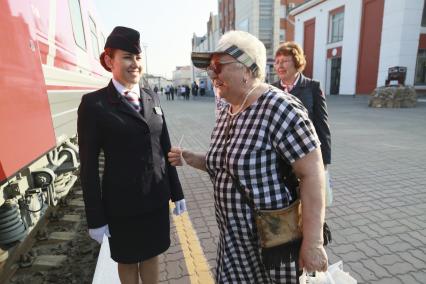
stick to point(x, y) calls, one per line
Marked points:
point(289, 65)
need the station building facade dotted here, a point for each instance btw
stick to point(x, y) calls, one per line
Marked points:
point(351, 44)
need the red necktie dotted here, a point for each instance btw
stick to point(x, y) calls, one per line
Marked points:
point(133, 99)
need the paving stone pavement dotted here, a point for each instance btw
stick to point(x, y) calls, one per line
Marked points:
point(378, 217)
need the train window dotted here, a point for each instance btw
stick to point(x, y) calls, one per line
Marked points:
point(77, 23)
point(94, 37)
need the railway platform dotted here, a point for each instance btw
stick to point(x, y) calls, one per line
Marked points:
point(378, 216)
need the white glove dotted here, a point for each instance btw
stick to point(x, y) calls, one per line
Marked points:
point(98, 233)
point(180, 207)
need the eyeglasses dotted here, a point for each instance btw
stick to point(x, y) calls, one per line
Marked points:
point(216, 67)
point(282, 62)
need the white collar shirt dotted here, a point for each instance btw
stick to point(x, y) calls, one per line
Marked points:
point(288, 88)
point(121, 89)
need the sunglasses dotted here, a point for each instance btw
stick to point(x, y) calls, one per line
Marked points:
point(216, 67)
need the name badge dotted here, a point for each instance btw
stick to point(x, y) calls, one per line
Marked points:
point(157, 110)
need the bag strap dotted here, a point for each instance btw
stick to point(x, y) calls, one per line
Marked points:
point(245, 195)
point(290, 181)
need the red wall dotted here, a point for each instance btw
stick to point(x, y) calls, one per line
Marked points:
point(422, 41)
point(308, 46)
point(287, 23)
point(369, 48)
point(330, 52)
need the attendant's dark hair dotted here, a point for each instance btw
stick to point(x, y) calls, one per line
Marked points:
point(110, 52)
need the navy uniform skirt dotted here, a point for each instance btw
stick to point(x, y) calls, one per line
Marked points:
point(138, 238)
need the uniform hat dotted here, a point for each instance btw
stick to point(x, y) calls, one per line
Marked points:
point(123, 38)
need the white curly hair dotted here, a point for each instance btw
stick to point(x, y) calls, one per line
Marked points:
point(250, 45)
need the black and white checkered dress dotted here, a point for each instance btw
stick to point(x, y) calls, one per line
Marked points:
point(275, 127)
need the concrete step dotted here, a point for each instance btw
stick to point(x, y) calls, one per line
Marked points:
point(48, 261)
point(71, 218)
point(62, 236)
point(76, 202)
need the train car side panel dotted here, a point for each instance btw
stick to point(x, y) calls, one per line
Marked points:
point(25, 117)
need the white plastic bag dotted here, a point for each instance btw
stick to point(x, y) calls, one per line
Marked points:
point(319, 278)
point(334, 275)
point(339, 276)
point(106, 269)
point(328, 189)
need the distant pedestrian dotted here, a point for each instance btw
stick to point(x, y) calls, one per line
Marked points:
point(156, 89)
point(202, 88)
point(194, 89)
point(187, 91)
point(182, 91)
point(172, 92)
point(167, 92)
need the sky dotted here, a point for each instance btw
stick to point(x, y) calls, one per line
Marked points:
point(166, 27)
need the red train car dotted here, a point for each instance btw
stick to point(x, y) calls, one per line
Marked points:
point(49, 54)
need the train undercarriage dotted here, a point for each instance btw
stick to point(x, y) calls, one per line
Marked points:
point(26, 197)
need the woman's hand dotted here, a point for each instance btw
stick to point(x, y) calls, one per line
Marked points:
point(313, 257)
point(179, 157)
point(175, 156)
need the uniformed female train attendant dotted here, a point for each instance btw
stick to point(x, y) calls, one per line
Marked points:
point(130, 202)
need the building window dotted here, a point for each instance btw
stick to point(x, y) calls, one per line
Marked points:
point(283, 12)
point(94, 38)
point(424, 16)
point(291, 5)
point(244, 25)
point(282, 35)
point(77, 23)
point(421, 68)
point(335, 32)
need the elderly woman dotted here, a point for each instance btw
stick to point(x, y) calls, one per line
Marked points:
point(289, 65)
point(257, 130)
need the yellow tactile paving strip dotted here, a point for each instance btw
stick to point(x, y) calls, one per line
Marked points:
point(196, 262)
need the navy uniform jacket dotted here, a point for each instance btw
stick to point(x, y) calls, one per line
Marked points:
point(137, 176)
point(308, 91)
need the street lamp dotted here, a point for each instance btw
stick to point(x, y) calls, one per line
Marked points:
point(145, 46)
